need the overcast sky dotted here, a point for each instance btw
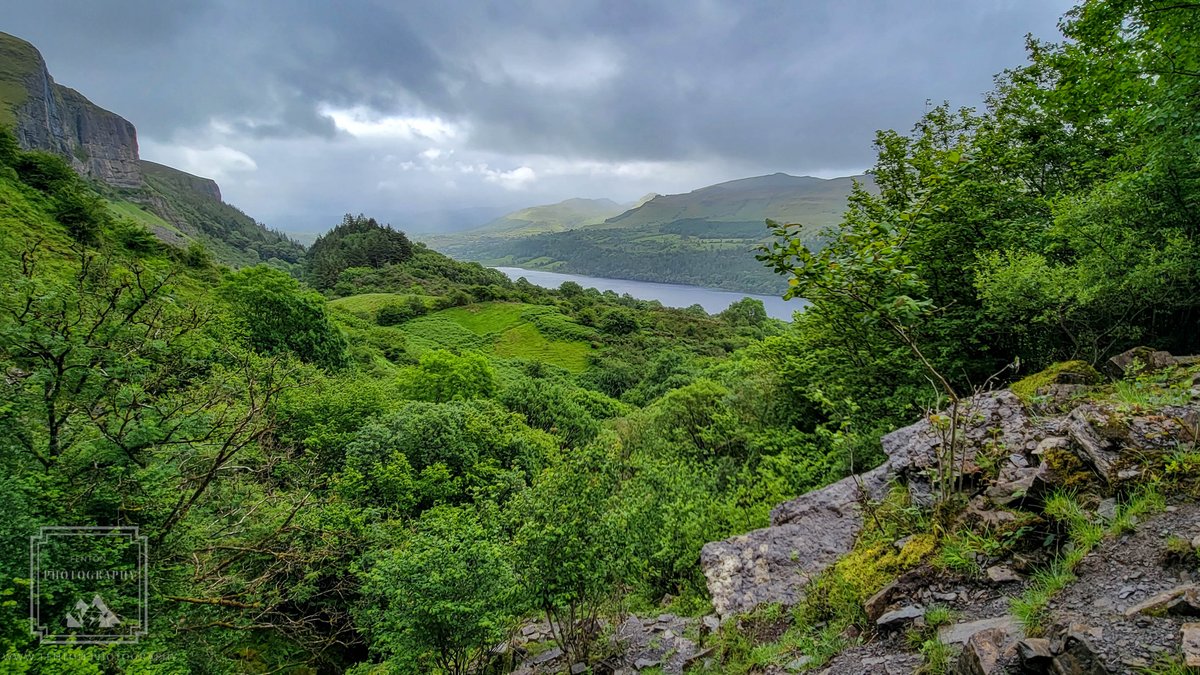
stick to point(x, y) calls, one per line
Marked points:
point(306, 110)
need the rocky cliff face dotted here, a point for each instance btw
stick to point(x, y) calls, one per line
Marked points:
point(103, 146)
point(48, 116)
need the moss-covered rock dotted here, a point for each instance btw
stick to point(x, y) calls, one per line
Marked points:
point(1067, 372)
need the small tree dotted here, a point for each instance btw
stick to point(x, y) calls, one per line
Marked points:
point(745, 312)
point(443, 376)
point(568, 547)
point(443, 598)
point(867, 276)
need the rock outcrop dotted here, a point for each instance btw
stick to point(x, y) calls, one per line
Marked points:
point(103, 147)
point(807, 534)
point(1003, 453)
point(48, 116)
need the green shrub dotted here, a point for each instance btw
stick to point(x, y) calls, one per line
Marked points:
point(280, 315)
point(443, 598)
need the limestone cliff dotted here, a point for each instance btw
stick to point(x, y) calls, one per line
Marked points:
point(48, 116)
point(103, 146)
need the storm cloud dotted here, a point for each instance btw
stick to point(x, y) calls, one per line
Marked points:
point(304, 111)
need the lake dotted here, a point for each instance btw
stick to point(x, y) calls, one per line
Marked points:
point(671, 295)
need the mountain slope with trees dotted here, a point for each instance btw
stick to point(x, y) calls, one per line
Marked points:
point(704, 237)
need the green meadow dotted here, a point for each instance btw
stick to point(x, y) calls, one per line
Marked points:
point(510, 330)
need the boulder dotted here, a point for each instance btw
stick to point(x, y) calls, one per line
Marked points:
point(1059, 396)
point(875, 605)
point(774, 564)
point(1149, 359)
point(1179, 601)
point(900, 617)
point(835, 501)
point(546, 657)
point(1092, 432)
point(984, 650)
point(1099, 435)
point(1078, 657)
point(1052, 443)
point(1019, 486)
point(959, 633)
point(1034, 655)
point(992, 418)
point(1191, 644)
point(1000, 574)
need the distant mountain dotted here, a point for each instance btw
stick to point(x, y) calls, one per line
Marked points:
point(102, 146)
point(812, 201)
point(446, 221)
point(560, 217)
point(645, 198)
point(706, 237)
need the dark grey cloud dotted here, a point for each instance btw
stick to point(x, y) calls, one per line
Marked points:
point(586, 95)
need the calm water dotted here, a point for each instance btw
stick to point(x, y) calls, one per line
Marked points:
point(671, 295)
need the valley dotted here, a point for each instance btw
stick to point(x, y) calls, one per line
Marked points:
point(708, 237)
point(593, 437)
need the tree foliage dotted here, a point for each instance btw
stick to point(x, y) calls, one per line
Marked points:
point(278, 315)
point(443, 598)
point(357, 242)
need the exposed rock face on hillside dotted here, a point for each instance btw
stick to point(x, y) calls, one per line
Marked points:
point(809, 533)
point(100, 144)
point(103, 146)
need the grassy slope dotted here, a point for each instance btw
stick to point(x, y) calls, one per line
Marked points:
point(18, 60)
point(503, 329)
point(233, 236)
point(141, 216)
point(366, 304)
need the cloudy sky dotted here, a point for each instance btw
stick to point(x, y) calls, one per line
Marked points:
point(307, 110)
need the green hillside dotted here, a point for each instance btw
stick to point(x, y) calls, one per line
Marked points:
point(706, 237)
point(565, 215)
point(976, 450)
point(817, 203)
point(19, 61)
point(194, 205)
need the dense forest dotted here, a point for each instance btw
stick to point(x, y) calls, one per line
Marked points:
point(383, 460)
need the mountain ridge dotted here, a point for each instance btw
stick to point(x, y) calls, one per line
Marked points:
point(778, 196)
point(706, 237)
point(567, 214)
